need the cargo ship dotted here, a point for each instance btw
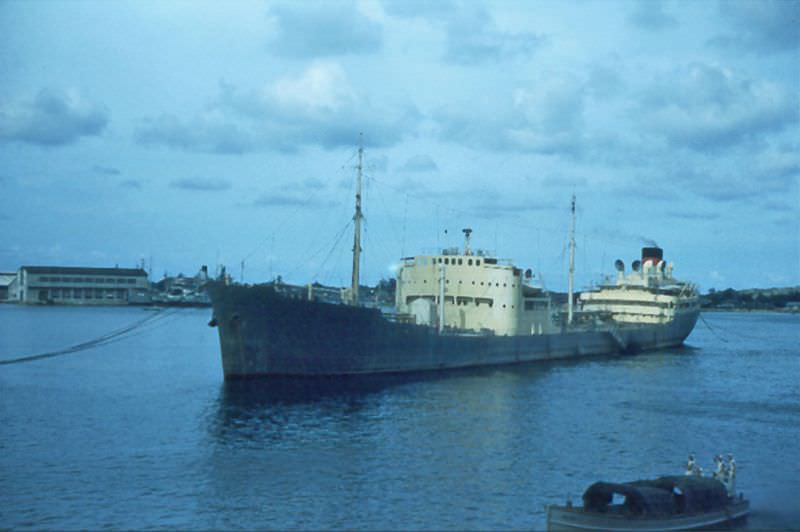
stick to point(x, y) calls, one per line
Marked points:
point(455, 309)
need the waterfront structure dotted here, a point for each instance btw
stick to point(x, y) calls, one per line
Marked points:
point(6, 278)
point(79, 286)
point(182, 291)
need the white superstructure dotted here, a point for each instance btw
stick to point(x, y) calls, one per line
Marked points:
point(648, 294)
point(471, 292)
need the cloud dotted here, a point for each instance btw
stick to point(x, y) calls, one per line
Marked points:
point(208, 132)
point(419, 163)
point(286, 200)
point(52, 118)
point(209, 184)
point(324, 29)
point(692, 215)
point(546, 117)
point(561, 181)
point(131, 183)
point(651, 16)
point(780, 206)
point(493, 207)
point(419, 8)
point(704, 107)
point(314, 183)
point(767, 26)
point(105, 170)
point(472, 38)
point(318, 107)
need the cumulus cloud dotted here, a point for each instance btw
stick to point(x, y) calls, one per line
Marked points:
point(324, 29)
point(703, 106)
point(651, 16)
point(765, 26)
point(207, 184)
point(546, 117)
point(317, 107)
point(472, 38)
point(51, 118)
point(419, 163)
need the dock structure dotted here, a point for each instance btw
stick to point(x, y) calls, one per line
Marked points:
point(79, 286)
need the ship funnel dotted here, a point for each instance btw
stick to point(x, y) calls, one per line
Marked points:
point(652, 254)
point(619, 265)
point(467, 232)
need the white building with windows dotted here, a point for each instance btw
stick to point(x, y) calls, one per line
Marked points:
point(79, 286)
point(6, 278)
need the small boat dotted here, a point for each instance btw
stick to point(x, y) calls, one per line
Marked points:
point(669, 503)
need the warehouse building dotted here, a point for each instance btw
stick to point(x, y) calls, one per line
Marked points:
point(79, 286)
point(6, 278)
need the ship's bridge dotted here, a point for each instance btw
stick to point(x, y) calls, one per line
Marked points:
point(478, 293)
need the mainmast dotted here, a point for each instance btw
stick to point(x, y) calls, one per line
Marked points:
point(571, 263)
point(357, 227)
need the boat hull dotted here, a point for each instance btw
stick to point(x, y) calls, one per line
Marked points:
point(563, 519)
point(263, 332)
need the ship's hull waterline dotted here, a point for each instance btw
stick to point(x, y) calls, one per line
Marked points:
point(265, 333)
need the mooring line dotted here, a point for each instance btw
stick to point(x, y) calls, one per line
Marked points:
point(712, 330)
point(110, 337)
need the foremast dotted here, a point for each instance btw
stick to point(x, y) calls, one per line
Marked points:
point(570, 285)
point(357, 228)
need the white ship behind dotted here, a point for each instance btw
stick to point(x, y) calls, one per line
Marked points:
point(649, 294)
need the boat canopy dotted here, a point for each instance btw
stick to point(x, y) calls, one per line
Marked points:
point(664, 495)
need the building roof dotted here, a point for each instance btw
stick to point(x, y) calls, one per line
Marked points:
point(84, 271)
point(7, 278)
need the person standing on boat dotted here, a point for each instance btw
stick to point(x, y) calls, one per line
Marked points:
point(731, 476)
point(691, 468)
point(719, 473)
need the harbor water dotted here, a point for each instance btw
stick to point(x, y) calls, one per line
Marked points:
point(139, 431)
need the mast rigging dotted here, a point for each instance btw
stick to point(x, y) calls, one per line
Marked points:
point(357, 227)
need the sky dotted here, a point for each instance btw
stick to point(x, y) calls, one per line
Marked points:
point(177, 134)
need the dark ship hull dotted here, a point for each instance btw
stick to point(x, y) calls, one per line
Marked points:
point(264, 332)
point(561, 519)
